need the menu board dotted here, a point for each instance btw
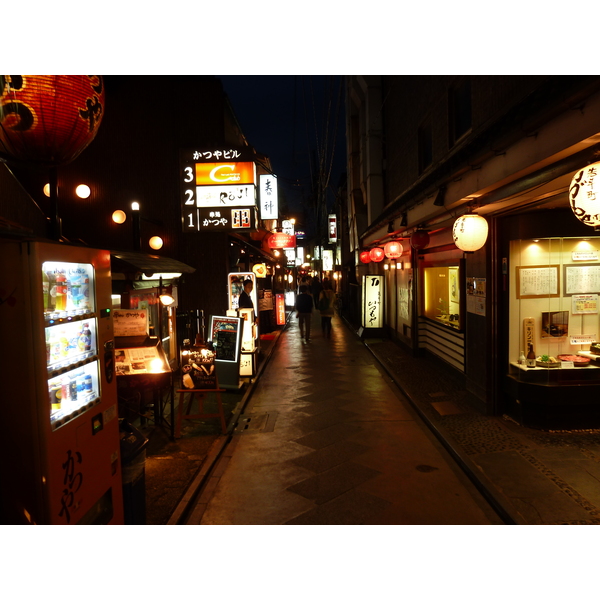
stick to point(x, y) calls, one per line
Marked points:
point(582, 279)
point(133, 361)
point(538, 281)
point(225, 335)
point(130, 323)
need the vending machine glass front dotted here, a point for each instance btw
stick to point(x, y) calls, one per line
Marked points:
point(72, 357)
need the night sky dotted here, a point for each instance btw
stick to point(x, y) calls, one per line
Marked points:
point(293, 120)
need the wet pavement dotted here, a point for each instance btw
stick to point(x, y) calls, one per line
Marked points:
point(348, 431)
point(327, 439)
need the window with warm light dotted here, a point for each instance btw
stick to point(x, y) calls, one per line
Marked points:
point(441, 297)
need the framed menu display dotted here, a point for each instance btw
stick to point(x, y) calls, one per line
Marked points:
point(538, 281)
point(582, 279)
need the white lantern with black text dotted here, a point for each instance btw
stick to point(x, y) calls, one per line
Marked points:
point(470, 232)
point(584, 195)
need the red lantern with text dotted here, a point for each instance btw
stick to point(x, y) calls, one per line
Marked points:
point(393, 249)
point(419, 239)
point(48, 119)
point(377, 254)
point(365, 257)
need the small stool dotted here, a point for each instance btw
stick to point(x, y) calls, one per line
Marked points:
point(200, 395)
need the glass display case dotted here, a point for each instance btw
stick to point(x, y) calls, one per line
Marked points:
point(72, 356)
point(442, 302)
point(554, 361)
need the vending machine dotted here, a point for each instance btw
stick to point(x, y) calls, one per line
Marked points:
point(59, 432)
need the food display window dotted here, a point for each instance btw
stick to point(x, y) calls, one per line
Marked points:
point(554, 318)
point(441, 295)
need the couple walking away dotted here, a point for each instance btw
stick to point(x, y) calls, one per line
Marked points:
point(304, 306)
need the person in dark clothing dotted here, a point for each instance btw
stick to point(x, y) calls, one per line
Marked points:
point(304, 306)
point(316, 288)
point(245, 300)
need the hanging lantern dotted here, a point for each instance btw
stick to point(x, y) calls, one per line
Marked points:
point(393, 249)
point(470, 232)
point(48, 119)
point(377, 254)
point(584, 195)
point(419, 239)
point(365, 257)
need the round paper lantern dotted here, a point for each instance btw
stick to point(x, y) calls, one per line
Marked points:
point(419, 239)
point(48, 119)
point(393, 249)
point(470, 232)
point(365, 257)
point(377, 254)
point(584, 195)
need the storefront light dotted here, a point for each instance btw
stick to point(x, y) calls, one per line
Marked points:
point(584, 195)
point(470, 232)
point(83, 191)
point(119, 216)
point(156, 242)
point(365, 257)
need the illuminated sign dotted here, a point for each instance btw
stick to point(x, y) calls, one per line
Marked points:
point(327, 260)
point(224, 219)
point(268, 197)
point(280, 308)
point(235, 285)
point(225, 173)
point(290, 254)
point(372, 301)
point(224, 195)
point(287, 227)
point(332, 227)
point(282, 240)
point(217, 178)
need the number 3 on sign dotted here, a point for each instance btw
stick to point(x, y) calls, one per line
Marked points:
point(189, 175)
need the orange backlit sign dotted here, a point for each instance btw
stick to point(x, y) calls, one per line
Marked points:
point(231, 173)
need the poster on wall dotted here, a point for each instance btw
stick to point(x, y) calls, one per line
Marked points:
point(584, 304)
point(476, 295)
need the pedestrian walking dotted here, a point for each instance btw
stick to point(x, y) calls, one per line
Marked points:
point(326, 306)
point(315, 288)
point(304, 306)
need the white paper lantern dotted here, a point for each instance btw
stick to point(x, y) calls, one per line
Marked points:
point(470, 232)
point(584, 195)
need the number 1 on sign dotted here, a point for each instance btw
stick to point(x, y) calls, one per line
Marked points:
point(192, 222)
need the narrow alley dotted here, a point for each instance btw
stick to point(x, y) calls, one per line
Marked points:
point(327, 439)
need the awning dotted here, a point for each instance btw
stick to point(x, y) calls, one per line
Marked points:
point(138, 262)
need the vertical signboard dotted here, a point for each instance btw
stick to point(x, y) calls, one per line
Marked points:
point(327, 260)
point(268, 197)
point(332, 228)
point(280, 308)
point(372, 301)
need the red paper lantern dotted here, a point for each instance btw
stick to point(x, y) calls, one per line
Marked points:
point(419, 239)
point(365, 257)
point(48, 119)
point(377, 254)
point(393, 249)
